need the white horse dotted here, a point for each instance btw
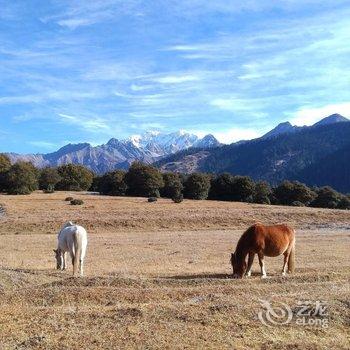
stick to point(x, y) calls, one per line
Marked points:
point(73, 239)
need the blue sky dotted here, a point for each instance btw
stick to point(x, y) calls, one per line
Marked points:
point(86, 71)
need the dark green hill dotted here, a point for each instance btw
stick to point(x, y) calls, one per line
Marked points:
point(334, 170)
point(284, 156)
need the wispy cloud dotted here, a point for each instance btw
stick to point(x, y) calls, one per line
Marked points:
point(92, 124)
point(309, 115)
point(44, 145)
point(176, 79)
point(84, 13)
point(112, 67)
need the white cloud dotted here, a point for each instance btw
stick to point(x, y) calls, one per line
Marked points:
point(91, 124)
point(73, 23)
point(44, 144)
point(175, 79)
point(136, 88)
point(236, 134)
point(230, 104)
point(234, 104)
point(50, 94)
point(310, 115)
point(182, 48)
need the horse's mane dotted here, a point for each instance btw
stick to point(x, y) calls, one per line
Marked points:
point(241, 244)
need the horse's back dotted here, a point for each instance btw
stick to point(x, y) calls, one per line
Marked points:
point(273, 230)
point(272, 240)
point(68, 235)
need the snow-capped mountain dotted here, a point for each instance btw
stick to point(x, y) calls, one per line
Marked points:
point(119, 154)
point(165, 143)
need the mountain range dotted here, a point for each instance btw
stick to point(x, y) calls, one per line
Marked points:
point(317, 155)
point(119, 154)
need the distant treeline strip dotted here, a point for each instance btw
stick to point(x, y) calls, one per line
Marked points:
point(147, 181)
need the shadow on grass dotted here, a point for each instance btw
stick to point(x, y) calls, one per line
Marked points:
point(200, 276)
point(46, 271)
point(217, 276)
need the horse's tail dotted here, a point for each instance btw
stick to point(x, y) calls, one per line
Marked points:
point(291, 259)
point(77, 250)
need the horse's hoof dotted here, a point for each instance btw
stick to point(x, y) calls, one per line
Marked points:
point(284, 274)
point(263, 276)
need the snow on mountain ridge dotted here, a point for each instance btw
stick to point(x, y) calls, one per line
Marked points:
point(116, 154)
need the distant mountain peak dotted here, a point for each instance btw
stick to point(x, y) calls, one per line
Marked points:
point(115, 143)
point(71, 147)
point(281, 128)
point(208, 141)
point(332, 119)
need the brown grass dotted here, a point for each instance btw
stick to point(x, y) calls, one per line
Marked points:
point(158, 276)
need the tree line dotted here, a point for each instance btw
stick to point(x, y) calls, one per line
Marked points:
point(147, 181)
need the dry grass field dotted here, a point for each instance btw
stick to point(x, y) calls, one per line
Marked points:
point(157, 276)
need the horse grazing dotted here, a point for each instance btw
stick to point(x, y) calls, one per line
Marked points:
point(264, 241)
point(73, 239)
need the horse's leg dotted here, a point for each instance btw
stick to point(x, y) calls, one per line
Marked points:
point(262, 265)
point(285, 262)
point(81, 267)
point(64, 260)
point(250, 263)
point(72, 258)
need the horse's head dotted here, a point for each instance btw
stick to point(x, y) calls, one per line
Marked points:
point(239, 266)
point(59, 259)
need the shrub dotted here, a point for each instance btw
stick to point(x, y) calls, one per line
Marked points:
point(297, 204)
point(344, 203)
point(76, 202)
point(74, 178)
point(172, 185)
point(68, 199)
point(112, 183)
point(242, 189)
point(143, 180)
point(221, 187)
point(49, 189)
point(5, 165)
point(262, 193)
point(178, 198)
point(288, 192)
point(48, 179)
point(22, 178)
point(197, 186)
point(96, 182)
point(232, 188)
point(327, 197)
point(152, 199)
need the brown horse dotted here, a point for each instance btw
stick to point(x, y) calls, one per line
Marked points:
point(263, 240)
